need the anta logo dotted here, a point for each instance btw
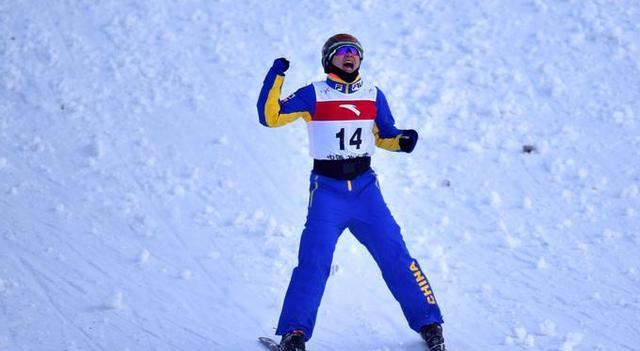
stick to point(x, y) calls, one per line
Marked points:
point(351, 108)
point(422, 283)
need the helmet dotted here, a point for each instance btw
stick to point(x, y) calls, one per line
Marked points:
point(333, 43)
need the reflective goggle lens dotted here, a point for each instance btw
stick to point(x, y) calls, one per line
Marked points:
point(347, 48)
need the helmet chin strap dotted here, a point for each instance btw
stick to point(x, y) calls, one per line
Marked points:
point(347, 77)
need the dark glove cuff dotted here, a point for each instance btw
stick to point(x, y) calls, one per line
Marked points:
point(408, 140)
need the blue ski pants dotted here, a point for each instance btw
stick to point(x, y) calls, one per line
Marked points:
point(335, 205)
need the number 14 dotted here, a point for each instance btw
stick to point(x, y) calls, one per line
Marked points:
point(356, 138)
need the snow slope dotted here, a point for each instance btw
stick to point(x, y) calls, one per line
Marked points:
point(143, 207)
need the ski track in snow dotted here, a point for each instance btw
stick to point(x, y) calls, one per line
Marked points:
point(142, 206)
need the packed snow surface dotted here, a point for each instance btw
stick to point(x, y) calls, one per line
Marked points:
point(143, 207)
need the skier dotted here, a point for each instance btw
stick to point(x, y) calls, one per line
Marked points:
point(346, 117)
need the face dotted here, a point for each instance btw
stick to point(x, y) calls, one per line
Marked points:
point(347, 59)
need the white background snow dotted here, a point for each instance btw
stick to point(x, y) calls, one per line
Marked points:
point(143, 207)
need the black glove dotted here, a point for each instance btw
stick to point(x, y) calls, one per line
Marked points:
point(408, 140)
point(280, 66)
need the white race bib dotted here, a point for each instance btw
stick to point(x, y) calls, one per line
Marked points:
point(342, 125)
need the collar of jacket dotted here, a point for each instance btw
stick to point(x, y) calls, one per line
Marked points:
point(347, 88)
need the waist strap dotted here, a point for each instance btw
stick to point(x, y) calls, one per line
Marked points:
point(342, 169)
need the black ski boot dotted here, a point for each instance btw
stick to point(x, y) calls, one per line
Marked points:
point(293, 341)
point(432, 334)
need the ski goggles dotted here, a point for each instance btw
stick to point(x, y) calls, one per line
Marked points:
point(343, 50)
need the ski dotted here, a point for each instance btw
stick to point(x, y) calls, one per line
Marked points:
point(269, 343)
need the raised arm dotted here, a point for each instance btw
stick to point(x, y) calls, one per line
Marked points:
point(274, 112)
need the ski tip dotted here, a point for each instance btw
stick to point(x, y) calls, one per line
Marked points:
point(269, 343)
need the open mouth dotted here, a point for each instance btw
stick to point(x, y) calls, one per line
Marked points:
point(348, 65)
